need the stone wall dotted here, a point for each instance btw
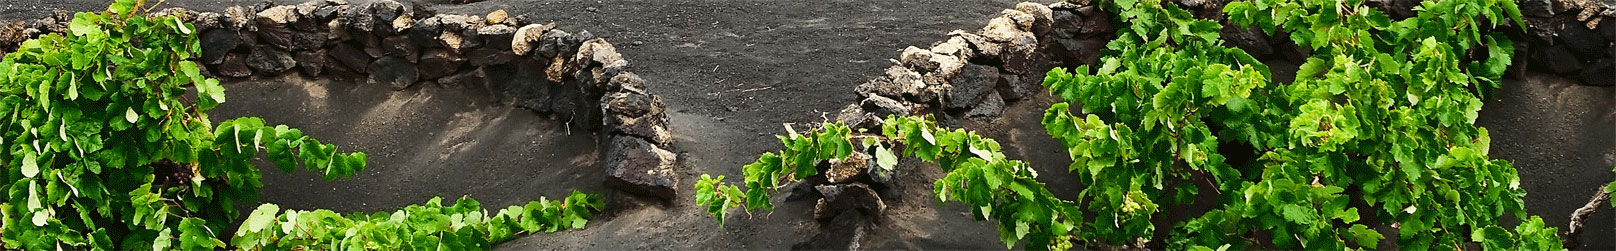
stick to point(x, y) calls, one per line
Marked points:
point(573, 77)
point(974, 74)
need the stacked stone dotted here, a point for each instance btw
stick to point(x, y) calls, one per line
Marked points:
point(1572, 38)
point(975, 74)
point(971, 74)
point(574, 77)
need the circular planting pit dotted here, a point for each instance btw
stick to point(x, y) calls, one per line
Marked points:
point(493, 104)
point(990, 81)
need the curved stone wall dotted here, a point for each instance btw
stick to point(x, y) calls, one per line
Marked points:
point(573, 77)
point(974, 74)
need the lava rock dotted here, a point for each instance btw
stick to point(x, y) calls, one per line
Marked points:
point(274, 25)
point(308, 41)
point(955, 46)
point(490, 56)
point(529, 38)
point(628, 81)
point(360, 19)
point(882, 107)
point(973, 83)
point(985, 51)
point(351, 57)
point(475, 77)
point(393, 72)
point(1536, 8)
point(638, 115)
point(217, 43)
point(558, 70)
point(556, 42)
point(1249, 39)
point(842, 233)
point(1042, 16)
point(498, 16)
point(435, 63)
point(565, 101)
point(497, 36)
point(898, 83)
point(210, 20)
point(1556, 58)
point(917, 59)
point(850, 168)
point(400, 46)
point(386, 10)
point(636, 166)
point(311, 63)
point(991, 106)
point(632, 104)
point(461, 41)
point(651, 127)
point(234, 65)
point(425, 32)
point(269, 60)
point(328, 13)
point(840, 198)
point(1012, 89)
point(855, 117)
point(1583, 42)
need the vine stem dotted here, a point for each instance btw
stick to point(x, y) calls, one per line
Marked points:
point(1578, 217)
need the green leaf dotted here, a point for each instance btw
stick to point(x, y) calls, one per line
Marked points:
point(1364, 236)
point(30, 167)
point(130, 115)
point(1299, 214)
point(885, 159)
point(260, 219)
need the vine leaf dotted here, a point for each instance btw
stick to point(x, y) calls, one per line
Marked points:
point(29, 167)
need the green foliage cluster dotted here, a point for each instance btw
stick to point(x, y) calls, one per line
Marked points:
point(431, 226)
point(1383, 109)
point(802, 152)
point(1379, 121)
point(104, 148)
point(977, 174)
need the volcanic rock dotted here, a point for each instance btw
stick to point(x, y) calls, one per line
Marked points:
point(351, 57)
point(435, 63)
point(217, 43)
point(234, 65)
point(269, 60)
point(636, 166)
point(841, 198)
point(393, 72)
point(974, 82)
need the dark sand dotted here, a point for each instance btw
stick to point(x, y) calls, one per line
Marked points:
point(732, 72)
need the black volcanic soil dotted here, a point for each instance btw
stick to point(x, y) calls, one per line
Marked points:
point(732, 72)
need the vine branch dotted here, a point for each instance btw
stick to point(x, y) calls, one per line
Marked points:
point(1581, 215)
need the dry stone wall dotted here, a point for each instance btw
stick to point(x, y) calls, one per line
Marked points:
point(976, 74)
point(574, 77)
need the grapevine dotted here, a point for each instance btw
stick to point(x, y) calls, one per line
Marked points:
point(105, 149)
point(1380, 121)
point(978, 174)
point(431, 226)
